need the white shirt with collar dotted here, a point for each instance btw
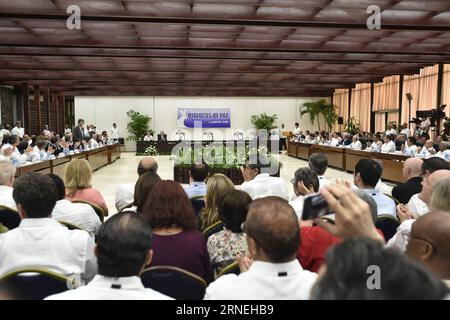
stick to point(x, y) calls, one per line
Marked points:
point(44, 242)
point(417, 206)
point(406, 132)
point(297, 204)
point(124, 196)
point(106, 288)
point(400, 239)
point(410, 150)
point(264, 185)
point(296, 131)
point(6, 198)
point(323, 182)
point(18, 131)
point(264, 281)
point(425, 153)
point(114, 133)
point(391, 131)
point(388, 147)
point(385, 204)
point(355, 145)
point(79, 214)
point(195, 189)
point(443, 154)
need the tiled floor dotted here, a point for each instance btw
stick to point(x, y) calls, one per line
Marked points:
point(123, 170)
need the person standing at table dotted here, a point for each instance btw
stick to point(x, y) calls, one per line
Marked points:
point(78, 131)
point(18, 130)
point(296, 130)
point(115, 133)
point(162, 136)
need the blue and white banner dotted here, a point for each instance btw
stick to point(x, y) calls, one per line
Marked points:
point(207, 118)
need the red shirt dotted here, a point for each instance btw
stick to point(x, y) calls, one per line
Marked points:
point(314, 244)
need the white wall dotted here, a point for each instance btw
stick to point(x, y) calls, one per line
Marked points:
point(103, 111)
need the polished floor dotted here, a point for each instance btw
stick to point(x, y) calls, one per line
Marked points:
point(123, 170)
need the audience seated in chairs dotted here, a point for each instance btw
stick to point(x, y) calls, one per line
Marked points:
point(7, 173)
point(366, 176)
point(79, 214)
point(40, 240)
point(217, 185)
point(349, 264)
point(274, 272)
point(176, 241)
point(125, 192)
point(123, 250)
point(79, 187)
point(418, 204)
point(305, 181)
point(318, 162)
point(143, 189)
point(315, 241)
point(412, 171)
point(198, 174)
point(259, 184)
point(228, 245)
point(436, 194)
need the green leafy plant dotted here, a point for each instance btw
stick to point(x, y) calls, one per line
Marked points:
point(317, 108)
point(70, 120)
point(138, 125)
point(352, 126)
point(264, 121)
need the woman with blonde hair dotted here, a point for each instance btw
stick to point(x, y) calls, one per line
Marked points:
point(216, 187)
point(79, 187)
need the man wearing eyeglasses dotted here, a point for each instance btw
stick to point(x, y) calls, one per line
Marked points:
point(429, 243)
point(272, 271)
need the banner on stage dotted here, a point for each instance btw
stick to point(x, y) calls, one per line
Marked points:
point(208, 118)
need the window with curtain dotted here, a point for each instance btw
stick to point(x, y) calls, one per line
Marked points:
point(423, 88)
point(386, 98)
point(340, 100)
point(360, 105)
point(446, 88)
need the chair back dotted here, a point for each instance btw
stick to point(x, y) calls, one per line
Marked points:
point(212, 229)
point(34, 283)
point(9, 217)
point(70, 226)
point(99, 211)
point(397, 202)
point(388, 225)
point(174, 282)
point(198, 204)
point(232, 268)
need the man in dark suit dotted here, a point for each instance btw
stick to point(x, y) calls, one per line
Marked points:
point(162, 136)
point(412, 170)
point(78, 131)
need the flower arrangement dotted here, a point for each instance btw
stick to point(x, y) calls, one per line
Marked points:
point(151, 151)
point(222, 157)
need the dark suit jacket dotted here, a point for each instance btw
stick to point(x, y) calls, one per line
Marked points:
point(78, 134)
point(404, 192)
point(160, 138)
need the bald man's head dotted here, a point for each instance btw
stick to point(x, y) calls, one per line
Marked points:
point(430, 242)
point(147, 164)
point(429, 182)
point(412, 168)
point(273, 226)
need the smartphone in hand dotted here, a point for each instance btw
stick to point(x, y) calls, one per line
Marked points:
point(315, 206)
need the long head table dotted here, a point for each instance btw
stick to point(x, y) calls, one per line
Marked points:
point(346, 159)
point(97, 158)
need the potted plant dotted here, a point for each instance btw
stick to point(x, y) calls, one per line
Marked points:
point(352, 126)
point(317, 108)
point(138, 125)
point(264, 121)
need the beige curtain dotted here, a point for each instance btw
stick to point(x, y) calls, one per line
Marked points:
point(340, 100)
point(386, 94)
point(360, 105)
point(380, 120)
point(423, 88)
point(446, 88)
